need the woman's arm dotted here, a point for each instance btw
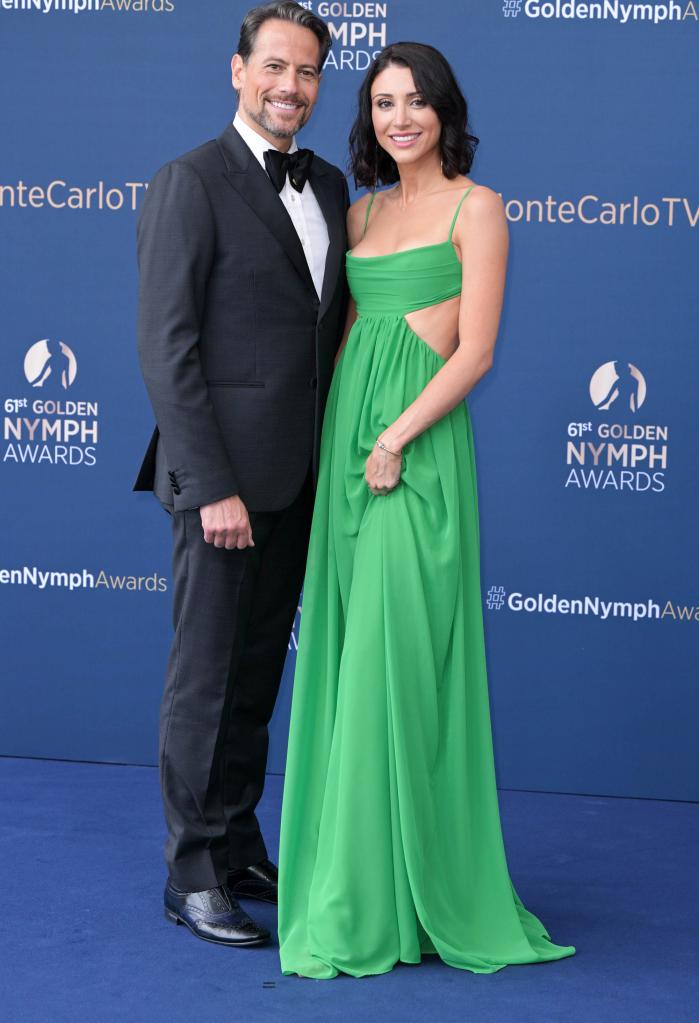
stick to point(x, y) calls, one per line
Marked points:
point(481, 235)
point(356, 215)
point(349, 323)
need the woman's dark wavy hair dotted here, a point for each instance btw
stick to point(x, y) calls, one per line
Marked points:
point(370, 164)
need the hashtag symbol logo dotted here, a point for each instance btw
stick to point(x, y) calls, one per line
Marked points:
point(496, 598)
point(511, 8)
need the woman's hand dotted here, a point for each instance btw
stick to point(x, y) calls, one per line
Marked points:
point(382, 470)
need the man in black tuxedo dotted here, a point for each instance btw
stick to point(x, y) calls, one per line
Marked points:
point(242, 302)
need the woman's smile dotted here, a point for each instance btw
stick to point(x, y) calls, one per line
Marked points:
point(405, 140)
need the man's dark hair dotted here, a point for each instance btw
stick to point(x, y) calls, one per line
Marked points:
point(434, 79)
point(286, 10)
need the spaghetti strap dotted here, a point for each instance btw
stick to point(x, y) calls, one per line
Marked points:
point(368, 211)
point(461, 202)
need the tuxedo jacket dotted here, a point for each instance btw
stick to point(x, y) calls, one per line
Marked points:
point(235, 347)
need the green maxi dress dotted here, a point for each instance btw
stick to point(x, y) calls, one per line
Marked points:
point(391, 844)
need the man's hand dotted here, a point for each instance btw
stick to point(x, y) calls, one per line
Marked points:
point(226, 524)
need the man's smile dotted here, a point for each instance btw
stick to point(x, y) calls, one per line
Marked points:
point(286, 105)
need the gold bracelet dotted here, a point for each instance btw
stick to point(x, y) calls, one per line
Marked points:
point(380, 444)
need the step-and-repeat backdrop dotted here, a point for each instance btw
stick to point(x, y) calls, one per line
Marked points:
point(586, 428)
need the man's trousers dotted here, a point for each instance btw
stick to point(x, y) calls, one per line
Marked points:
point(233, 615)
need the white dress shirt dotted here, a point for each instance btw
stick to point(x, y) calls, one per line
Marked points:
point(302, 207)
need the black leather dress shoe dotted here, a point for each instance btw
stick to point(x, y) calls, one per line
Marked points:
point(213, 915)
point(256, 882)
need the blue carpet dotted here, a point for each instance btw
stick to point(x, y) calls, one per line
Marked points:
point(83, 937)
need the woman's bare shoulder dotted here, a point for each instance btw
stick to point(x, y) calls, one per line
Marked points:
point(358, 207)
point(356, 217)
point(483, 201)
point(481, 220)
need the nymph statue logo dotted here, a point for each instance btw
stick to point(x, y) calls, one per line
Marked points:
point(618, 383)
point(50, 365)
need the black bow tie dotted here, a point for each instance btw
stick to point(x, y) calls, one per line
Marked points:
point(297, 165)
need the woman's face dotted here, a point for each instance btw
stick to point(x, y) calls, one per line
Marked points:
point(405, 125)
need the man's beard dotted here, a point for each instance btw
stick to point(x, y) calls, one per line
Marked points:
point(260, 118)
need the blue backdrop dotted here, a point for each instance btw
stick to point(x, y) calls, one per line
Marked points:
point(586, 427)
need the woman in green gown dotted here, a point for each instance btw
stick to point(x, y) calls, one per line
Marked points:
point(391, 844)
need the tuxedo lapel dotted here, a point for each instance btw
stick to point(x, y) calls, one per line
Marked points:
point(331, 209)
point(252, 183)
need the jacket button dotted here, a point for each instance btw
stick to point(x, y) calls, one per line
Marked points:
point(314, 383)
point(176, 490)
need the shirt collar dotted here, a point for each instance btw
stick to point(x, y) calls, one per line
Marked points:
point(255, 142)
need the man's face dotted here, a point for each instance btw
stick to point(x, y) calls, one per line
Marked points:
point(278, 87)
